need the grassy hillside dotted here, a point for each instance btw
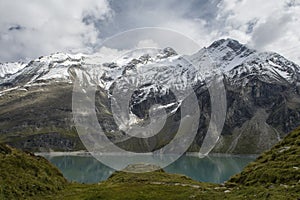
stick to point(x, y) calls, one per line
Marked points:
point(280, 165)
point(24, 175)
point(39, 118)
point(274, 175)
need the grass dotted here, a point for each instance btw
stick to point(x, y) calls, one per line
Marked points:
point(274, 175)
point(280, 165)
point(24, 175)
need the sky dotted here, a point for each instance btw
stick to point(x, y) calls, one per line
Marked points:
point(32, 28)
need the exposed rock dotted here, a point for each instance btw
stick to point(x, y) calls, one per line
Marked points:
point(263, 97)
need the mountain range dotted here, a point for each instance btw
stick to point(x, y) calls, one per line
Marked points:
point(262, 93)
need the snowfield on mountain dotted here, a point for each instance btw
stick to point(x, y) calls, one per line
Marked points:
point(262, 91)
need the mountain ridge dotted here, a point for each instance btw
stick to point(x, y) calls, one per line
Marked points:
point(262, 93)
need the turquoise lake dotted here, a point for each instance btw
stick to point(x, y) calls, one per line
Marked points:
point(213, 168)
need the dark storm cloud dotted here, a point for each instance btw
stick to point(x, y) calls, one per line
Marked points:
point(16, 27)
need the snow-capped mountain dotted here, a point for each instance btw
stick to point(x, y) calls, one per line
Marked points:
point(50, 67)
point(262, 93)
point(233, 59)
point(226, 54)
point(7, 69)
point(237, 61)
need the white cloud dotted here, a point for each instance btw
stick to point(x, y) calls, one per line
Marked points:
point(43, 27)
point(275, 24)
point(272, 29)
point(194, 29)
point(47, 27)
point(186, 17)
point(147, 44)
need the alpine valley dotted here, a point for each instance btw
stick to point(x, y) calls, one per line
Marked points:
point(262, 92)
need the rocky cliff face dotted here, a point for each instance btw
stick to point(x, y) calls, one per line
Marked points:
point(262, 92)
point(262, 96)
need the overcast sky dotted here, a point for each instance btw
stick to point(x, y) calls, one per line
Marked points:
point(31, 28)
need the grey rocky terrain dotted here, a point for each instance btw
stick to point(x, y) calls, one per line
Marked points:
point(262, 92)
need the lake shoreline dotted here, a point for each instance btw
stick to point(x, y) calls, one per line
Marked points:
point(86, 153)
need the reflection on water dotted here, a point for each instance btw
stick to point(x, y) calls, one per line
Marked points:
point(215, 169)
point(83, 169)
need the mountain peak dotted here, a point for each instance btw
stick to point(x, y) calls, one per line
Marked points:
point(228, 53)
point(230, 43)
point(167, 52)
